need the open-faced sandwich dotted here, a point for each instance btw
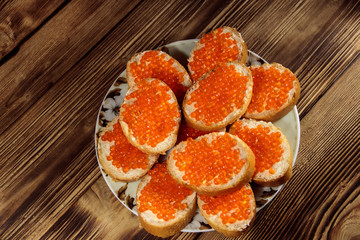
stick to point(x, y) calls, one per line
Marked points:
point(224, 44)
point(212, 164)
point(273, 160)
point(219, 97)
point(160, 65)
point(120, 159)
point(230, 214)
point(150, 116)
point(276, 91)
point(165, 207)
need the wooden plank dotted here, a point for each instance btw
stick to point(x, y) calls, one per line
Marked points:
point(321, 199)
point(345, 226)
point(91, 209)
point(18, 20)
point(37, 166)
point(48, 54)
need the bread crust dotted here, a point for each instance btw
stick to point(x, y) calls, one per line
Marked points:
point(283, 168)
point(276, 182)
point(159, 227)
point(274, 115)
point(243, 177)
point(231, 117)
point(230, 230)
point(161, 147)
point(243, 51)
point(103, 149)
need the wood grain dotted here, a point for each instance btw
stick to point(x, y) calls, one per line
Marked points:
point(104, 212)
point(52, 51)
point(95, 207)
point(19, 19)
point(51, 90)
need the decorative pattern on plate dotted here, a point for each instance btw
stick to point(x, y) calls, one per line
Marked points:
point(126, 192)
point(111, 104)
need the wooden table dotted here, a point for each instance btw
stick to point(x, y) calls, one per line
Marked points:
point(58, 59)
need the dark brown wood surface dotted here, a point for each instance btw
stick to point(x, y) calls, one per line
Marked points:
point(58, 59)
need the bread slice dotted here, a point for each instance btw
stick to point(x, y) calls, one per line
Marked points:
point(217, 211)
point(149, 220)
point(280, 171)
point(263, 109)
point(145, 117)
point(118, 173)
point(205, 56)
point(212, 164)
point(219, 98)
point(159, 65)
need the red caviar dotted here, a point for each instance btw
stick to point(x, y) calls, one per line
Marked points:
point(185, 132)
point(162, 195)
point(122, 154)
point(266, 145)
point(153, 65)
point(231, 207)
point(205, 163)
point(218, 47)
point(149, 114)
point(271, 88)
point(218, 95)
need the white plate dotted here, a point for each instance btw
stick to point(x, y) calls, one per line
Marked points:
point(126, 192)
